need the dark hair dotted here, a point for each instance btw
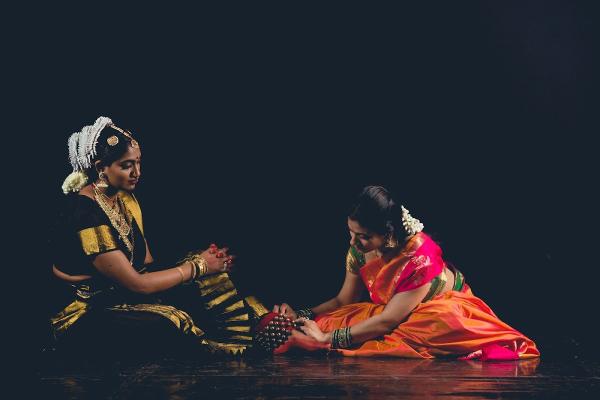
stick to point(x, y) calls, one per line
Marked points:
point(106, 153)
point(375, 210)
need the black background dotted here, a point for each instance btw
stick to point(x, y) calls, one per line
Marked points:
point(259, 126)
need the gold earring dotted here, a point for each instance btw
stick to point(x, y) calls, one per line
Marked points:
point(391, 242)
point(103, 181)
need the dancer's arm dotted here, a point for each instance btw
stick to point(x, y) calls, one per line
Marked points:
point(396, 311)
point(115, 265)
point(349, 293)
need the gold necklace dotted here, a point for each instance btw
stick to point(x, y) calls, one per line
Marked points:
point(118, 218)
point(107, 201)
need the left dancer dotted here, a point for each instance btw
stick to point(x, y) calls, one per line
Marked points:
point(100, 254)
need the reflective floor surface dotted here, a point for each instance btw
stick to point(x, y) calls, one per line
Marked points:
point(312, 377)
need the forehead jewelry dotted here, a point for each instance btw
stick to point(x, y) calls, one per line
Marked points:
point(134, 143)
point(113, 140)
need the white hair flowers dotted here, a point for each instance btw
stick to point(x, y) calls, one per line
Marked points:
point(74, 182)
point(410, 223)
point(82, 149)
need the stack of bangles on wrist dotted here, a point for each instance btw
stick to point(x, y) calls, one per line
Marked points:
point(199, 266)
point(305, 313)
point(341, 338)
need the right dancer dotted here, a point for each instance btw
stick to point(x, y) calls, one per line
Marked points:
point(421, 306)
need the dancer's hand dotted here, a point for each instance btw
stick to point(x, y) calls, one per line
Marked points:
point(217, 260)
point(311, 329)
point(286, 310)
point(300, 340)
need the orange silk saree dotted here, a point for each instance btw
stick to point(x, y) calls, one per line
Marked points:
point(453, 324)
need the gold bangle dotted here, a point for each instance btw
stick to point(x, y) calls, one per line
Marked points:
point(194, 269)
point(202, 266)
point(199, 266)
point(182, 274)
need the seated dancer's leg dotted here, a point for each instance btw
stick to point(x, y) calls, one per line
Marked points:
point(453, 324)
point(217, 308)
point(227, 322)
point(209, 310)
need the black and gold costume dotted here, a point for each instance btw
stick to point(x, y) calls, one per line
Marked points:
point(210, 310)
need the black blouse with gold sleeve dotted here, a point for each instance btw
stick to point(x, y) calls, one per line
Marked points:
point(82, 231)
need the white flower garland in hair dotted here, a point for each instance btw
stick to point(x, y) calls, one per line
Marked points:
point(410, 223)
point(82, 150)
point(74, 182)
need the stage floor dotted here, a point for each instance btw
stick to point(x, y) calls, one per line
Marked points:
point(311, 377)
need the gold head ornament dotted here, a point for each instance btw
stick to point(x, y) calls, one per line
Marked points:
point(127, 134)
point(113, 140)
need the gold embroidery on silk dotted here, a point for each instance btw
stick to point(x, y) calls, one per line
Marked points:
point(257, 306)
point(133, 207)
point(235, 306)
point(243, 317)
point(419, 261)
point(238, 328)
point(213, 280)
point(224, 347)
point(221, 299)
point(68, 316)
point(219, 288)
point(97, 239)
point(179, 318)
point(352, 263)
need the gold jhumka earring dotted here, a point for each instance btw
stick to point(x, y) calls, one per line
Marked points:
point(391, 241)
point(103, 183)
